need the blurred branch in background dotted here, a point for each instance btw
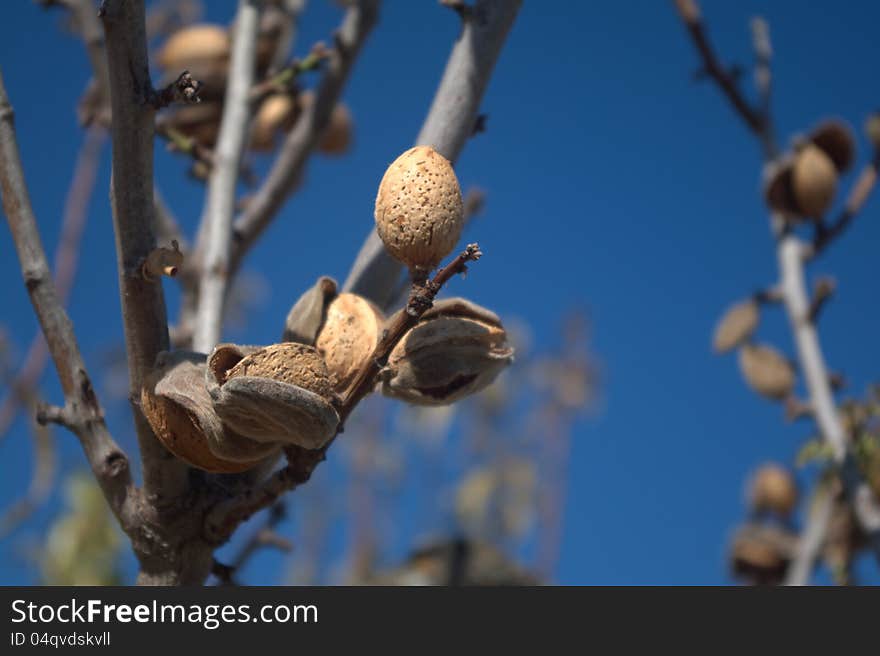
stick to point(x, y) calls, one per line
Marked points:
point(220, 202)
point(475, 492)
point(45, 465)
point(799, 189)
point(265, 536)
point(302, 140)
point(22, 388)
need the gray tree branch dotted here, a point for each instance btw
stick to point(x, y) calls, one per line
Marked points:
point(811, 539)
point(224, 179)
point(792, 254)
point(143, 302)
point(85, 417)
point(303, 138)
point(64, 266)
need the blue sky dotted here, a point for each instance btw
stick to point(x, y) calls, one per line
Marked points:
point(615, 183)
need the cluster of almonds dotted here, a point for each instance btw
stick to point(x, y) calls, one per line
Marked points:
point(802, 185)
point(232, 409)
point(765, 370)
point(763, 548)
point(204, 50)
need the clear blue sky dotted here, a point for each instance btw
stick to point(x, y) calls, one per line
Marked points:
point(640, 186)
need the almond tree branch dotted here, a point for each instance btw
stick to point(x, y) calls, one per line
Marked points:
point(66, 259)
point(756, 121)
point(812, 539)
point(93, 37)
point(792, 254)
point(224, 178)
point(143, 303)
point(226, 516)
point(448, 125)
point(303, 138)
point(421, 299)
point(182, 332)
point(763, 74)
point(109, 463)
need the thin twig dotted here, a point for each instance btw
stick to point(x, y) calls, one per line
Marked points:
point(420, 300)
point(226, 516)
point(298, 145)
point(178, 142)
point(264, 536)
point(222, 186)
point(96, 99)
point(167, 226)
point(473, 202)
point(292, 10)
point(447, 127)
point(823, 290)
point(764, 73)
point(754, 118)
point(109, 463)
point(284, 78)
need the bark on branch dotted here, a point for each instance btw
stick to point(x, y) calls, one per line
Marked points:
point(811, 540)
point(143, 303)
point(224, 178)
point(64, 267)
point(791, 252)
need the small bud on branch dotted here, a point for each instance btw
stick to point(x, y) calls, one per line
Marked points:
point(163, 262)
